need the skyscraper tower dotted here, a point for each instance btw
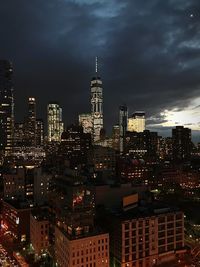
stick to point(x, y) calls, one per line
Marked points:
point(6, 107)
point(31, 121)
point(123, 118)
point(55, 124)
point(96, 104)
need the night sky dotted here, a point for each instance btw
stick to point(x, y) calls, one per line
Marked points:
point(149, 56)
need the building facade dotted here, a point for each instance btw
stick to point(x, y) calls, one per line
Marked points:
point(84, 252)
point(39, 232)
point(74, 146)
point(30, 123)
point(115, 137)
point(39, 132)
point(25, 184)
point(137, 122)
point(55, 124)
point(16, 219)
point(86, 121)
point(19, 138)
point(123, 119)
point(97, 105)
point(144, 144)
point(102, 158)
point(78, 242)
point(6, 108)
point(181, 143)
point(146, 240)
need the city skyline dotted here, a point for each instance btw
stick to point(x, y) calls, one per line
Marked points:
point(53, 44)
point(100, 133)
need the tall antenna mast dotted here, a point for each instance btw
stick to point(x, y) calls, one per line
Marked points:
point(96, 65)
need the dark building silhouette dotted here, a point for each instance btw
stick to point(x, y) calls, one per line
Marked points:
point(181, 143)
point(115, 137)
point(75, 231)
point(143, 144)
point(74, 146)
point(19, 134)
point(123, 120)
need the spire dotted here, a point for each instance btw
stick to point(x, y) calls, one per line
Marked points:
point(96, 65)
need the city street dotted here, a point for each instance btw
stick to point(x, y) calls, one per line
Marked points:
point(6, 259)
point(6, 252)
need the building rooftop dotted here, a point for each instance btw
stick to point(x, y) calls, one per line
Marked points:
point(96, 231)
point(17, 204)
point(147, 210)
point(40, 214)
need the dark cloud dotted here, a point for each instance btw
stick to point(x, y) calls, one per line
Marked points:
point(148, 50)
point(156, 120)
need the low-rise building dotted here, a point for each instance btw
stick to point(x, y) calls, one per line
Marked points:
point(39, 232)
point(79, 242)
point(92, 250)
point(16, 219)
point(30, 184)
point(144, 236)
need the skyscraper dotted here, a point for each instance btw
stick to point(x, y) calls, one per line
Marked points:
point(55, 124)
point(30, 123)
point(39, 132)
point(96, 104)
point(19, 135)
point(115, 137)
point(137, 122)
point(123, 117)
point(6, 107)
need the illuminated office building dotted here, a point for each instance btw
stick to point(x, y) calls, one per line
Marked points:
point(86, 121)
point(55, 124)
point(97, 105)
point(137, 122)
point(6, 107)
point(123, 117)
